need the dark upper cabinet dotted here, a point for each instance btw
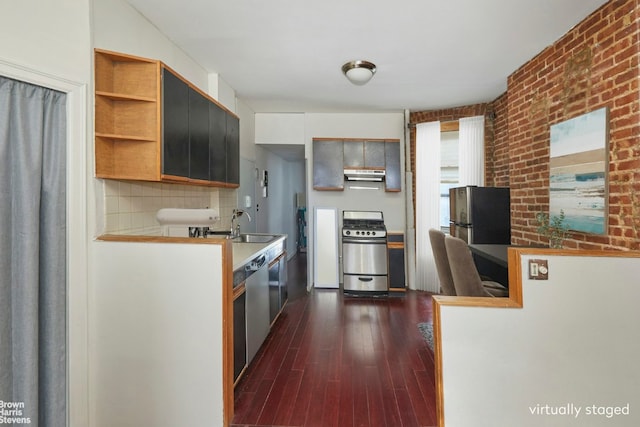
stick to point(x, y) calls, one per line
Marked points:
point(233, 150)
point(353, 154)
point(393, 174)
point(198, 136)
point(330, 157)
point(328, 164)
point(224, 146)
point(217, 143)
point(374, 154)
point(364, 154)
point(175, 125)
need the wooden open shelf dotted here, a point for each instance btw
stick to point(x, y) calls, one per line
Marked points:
point(126, 159)
point(127, 75)
point(121, 97)
point(127, 116)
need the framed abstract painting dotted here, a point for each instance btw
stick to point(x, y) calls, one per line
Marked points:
point(578, 170)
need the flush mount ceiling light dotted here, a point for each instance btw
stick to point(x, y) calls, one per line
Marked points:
point(359, 72)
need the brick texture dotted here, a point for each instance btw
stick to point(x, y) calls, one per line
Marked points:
point(594, 65)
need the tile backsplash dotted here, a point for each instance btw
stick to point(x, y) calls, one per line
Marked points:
point(130, 207)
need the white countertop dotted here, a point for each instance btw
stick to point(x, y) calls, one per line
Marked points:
point(245, 252)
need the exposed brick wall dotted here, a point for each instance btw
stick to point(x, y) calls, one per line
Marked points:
point(497, 153)
point(594, 65)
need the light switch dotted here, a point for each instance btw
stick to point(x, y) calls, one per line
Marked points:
point(538, 269)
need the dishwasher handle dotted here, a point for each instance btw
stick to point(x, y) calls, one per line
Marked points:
point(256, 264)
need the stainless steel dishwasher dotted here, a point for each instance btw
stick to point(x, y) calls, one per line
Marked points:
point(257, 309)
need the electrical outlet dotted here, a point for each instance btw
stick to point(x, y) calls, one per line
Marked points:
point(538, 269)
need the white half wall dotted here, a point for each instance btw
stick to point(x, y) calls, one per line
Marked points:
point(157, 358)
point(568, 357)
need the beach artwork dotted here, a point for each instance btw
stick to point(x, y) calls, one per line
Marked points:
point(578, 171)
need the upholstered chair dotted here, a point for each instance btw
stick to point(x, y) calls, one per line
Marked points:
point(442, 263)
point(466, 278)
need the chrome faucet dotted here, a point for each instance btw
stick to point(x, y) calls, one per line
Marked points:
point(237, 213)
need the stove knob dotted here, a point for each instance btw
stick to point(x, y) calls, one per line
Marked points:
point(368, 233)
point(347, 232)
point(373, 233)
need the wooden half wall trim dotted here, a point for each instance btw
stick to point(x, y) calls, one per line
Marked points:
point(513, 301)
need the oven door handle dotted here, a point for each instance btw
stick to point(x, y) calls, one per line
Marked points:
point(379, 240)
point(365, 279)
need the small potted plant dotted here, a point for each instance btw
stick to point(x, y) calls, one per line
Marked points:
point(553, 228)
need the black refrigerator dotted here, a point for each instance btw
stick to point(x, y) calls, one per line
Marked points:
point(480, 214)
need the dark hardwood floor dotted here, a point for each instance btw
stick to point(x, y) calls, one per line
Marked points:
point(335, 360)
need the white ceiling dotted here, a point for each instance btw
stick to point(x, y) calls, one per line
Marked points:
point(286, 55)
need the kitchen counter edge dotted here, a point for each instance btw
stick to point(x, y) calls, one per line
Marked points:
point(242, 252)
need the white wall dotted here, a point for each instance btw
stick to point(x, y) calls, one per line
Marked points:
point(247, 189)
point(52, 37)
point(247, 131)
point(120, 28)
point(574, 342)
point(283, 128)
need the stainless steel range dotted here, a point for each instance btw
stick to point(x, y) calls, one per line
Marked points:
point(364, 252)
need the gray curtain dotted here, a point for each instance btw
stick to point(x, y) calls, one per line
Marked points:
point(33, 253)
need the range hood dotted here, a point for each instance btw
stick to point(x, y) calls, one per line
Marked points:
point(375, 175)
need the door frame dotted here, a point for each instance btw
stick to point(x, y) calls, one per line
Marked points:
point(77, 233)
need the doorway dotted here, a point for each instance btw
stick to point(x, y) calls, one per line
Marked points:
point(281, 190)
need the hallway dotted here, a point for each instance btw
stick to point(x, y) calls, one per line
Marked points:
point(332, 360)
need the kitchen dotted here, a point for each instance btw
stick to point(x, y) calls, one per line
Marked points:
point(113, 271)
point(77, 68)
point(128, 208)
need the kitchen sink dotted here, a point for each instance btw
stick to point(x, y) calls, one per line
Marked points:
point(255, 238)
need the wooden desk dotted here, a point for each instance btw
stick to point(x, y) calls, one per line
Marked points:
point(491, 261)
point(494, 253)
